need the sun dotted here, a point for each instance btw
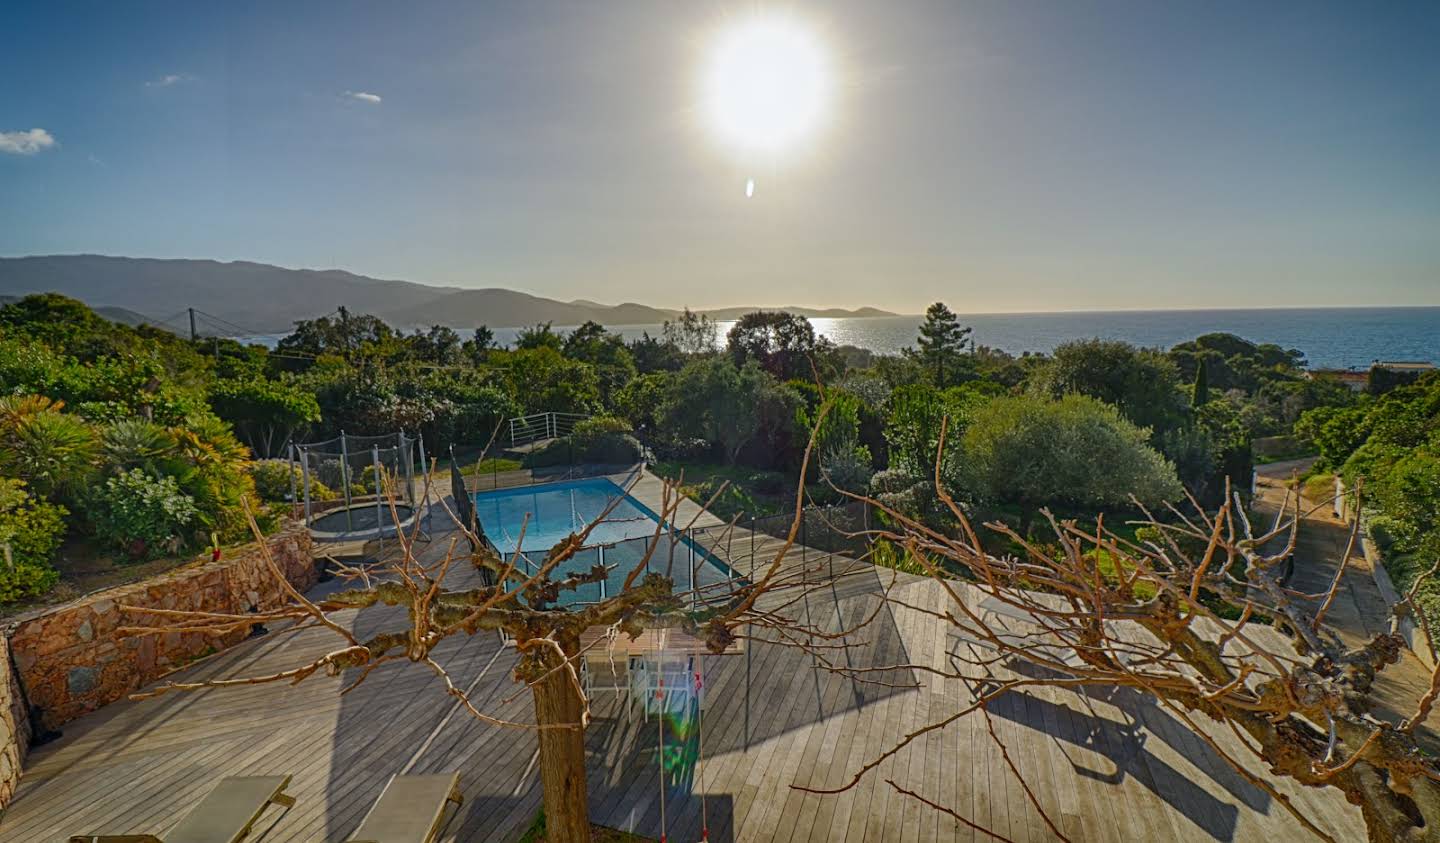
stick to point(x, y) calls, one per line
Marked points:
point(767, 83)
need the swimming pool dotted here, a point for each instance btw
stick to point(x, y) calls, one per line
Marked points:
point(555, 510)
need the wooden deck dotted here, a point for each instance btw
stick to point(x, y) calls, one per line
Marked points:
point(1108, 767)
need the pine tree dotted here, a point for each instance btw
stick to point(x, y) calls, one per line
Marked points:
point(1200, 395)
point(941, 341)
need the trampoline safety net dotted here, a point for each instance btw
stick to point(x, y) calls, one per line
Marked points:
point(354, 469)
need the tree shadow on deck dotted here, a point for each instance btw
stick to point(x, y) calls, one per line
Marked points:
point(400, 720)
point(1123, 743)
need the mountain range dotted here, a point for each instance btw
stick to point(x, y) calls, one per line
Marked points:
point(241, 297)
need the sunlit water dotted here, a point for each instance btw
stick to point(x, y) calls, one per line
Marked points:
point(1329, 337)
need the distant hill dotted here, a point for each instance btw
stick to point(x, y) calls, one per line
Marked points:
point(509, 308)
point(255, 296)
point(266, 299)
point(725, 313)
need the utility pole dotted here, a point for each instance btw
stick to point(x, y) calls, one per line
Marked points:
point(345, 330)
point(192, 323)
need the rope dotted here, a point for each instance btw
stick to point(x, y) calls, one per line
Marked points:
point(700, 761)
point(660, 729)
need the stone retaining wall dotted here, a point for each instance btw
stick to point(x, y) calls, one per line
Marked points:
point(71, 661)
point(14, 727)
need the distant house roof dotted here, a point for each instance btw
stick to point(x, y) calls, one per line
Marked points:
point(1405, 365)
point(1353, 378)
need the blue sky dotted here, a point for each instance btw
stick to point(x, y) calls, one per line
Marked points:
point(1001, 156)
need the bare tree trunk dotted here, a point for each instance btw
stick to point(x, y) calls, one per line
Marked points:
point(562, 757)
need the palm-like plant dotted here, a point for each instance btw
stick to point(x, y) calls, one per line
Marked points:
point(220, 478)
point(137, 443)
point(52, 451)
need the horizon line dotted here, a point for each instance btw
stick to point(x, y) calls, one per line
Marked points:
point(770, 307)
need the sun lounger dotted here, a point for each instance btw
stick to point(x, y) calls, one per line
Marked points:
point(411, 809)
point(225, 815)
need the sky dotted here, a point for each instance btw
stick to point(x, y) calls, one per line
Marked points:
point(999, 156)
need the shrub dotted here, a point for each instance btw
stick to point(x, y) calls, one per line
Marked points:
point(907, 493)
point(142, 515)
point(53, 451)
point(1320, 487)
point(593, 428)
point(390, 481)
point(1387, 532)
point(605, 440)
point(1076, 452)
point(1192, 547)
point(273, 480)
point(887, 554)
point(847, 465)
point(32, 530)
point(215, 474)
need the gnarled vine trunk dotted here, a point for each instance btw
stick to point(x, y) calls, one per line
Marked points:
point(562, 752)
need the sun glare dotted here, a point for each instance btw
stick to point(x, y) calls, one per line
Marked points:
point(767, 83)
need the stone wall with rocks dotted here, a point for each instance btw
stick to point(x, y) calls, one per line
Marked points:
point(14, 727)
point(71, 660)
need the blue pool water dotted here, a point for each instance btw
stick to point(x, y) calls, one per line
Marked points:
point(552, 511)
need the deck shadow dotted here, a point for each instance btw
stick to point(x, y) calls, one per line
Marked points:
point(1124, 744)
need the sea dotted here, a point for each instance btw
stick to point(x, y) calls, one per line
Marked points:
point(1349, 337)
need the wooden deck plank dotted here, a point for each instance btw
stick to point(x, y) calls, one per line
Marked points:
point(134, 765)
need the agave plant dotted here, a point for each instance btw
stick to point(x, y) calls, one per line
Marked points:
point(137, 443)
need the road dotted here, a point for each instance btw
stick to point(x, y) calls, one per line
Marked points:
point(1359, 613)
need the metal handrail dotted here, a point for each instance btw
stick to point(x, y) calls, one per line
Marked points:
point(547, 425)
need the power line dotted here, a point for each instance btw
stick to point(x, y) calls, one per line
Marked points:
point(226, 323)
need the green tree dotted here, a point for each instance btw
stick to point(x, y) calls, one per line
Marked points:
point(656, 354)
point(538, 336)
point(643, 400)
point(266, 413)
point(439, 345)
point(346, 335)
point(783, 344)
point(941, 344)
point(1143, 384)
point(720, 403)
point(216, 474)
point(1236, 363)
point(692, 333)
point(1335, 431)
point(1200, 392)
point(542, 379)
point(477, 348)
point(606, 352)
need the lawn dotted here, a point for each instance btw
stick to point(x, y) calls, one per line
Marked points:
point(753, 492)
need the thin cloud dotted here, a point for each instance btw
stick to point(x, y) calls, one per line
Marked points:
point(364, 96)
point(26, 143)
point(169, 80)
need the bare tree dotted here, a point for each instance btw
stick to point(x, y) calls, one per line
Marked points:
point(1103, 611)
point(526, 603)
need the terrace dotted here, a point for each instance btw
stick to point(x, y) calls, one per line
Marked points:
point(1106, 766)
